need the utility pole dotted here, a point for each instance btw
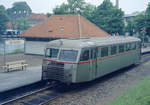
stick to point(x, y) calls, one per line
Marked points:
point(117, 3)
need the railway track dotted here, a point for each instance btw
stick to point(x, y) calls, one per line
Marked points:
point(145, 57)
point(35, 97)
point(45, 94)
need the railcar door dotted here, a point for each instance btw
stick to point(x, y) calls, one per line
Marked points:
point(94, 62)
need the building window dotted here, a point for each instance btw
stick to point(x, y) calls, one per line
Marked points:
point(104, 51)
point(85, 56)
point(121, 48)
point(113, 50)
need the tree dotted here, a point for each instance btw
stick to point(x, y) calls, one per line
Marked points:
point(147, 16)
point(88, 11)
point(72, 7)
point(19, 9)
point(48, 15)
point(109, 18)
point(140, 22)
point(3, 19)
point(22, 24)
point(131, 27)
point(62, 9)
point(75, 7)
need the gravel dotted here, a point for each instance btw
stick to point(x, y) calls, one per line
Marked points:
point(103, 90)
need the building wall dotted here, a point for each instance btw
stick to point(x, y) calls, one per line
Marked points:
point(35, 47)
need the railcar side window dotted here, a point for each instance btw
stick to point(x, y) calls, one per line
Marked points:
point(128, 47)
point(51, 52)
point(138, 45)
point(121, 48)
point(85, 56)
point(133, 46)
point(113, 50)
point(104, 51)
point(94, 53)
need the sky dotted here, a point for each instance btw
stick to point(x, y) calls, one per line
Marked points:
point(45, 6)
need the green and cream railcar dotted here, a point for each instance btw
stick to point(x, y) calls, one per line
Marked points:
point(82, 60)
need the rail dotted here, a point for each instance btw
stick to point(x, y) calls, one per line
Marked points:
point(36, 100)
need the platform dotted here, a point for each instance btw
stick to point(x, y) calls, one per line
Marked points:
point(15, 79)
point(145, 50)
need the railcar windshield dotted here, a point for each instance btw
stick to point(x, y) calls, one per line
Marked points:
point(68, 55)
point(51, 52)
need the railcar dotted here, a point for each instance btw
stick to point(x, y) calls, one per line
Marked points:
point(85, 59)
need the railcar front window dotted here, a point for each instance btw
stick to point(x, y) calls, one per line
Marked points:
point(68, 55)
point(51, 52)
point(85, 56)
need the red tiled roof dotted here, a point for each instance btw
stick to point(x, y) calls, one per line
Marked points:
point(67, 26)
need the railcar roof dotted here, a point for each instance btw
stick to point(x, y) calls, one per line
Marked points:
point(94, 41)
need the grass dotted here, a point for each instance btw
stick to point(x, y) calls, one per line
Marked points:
point(137, 95)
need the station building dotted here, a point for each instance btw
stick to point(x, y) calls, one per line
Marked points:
point(56, 27)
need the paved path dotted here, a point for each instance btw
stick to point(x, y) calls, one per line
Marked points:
point(146, 50)
point(15, 79)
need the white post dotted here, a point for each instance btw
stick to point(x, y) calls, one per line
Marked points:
point(80, 30)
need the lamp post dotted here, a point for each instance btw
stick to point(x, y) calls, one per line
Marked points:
point(143, 33)
point(62, 31)
point(4, 52)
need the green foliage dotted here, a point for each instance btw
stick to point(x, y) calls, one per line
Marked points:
point(75, 7)
point(72, 7)
point(130, 28)
point(22, 24)
point(3, 19)
point(137, 95)
point(88, 11)
point(148, 19)
point(62, 9)
point(48, 14)
point(140, 22)
point(109, 18)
